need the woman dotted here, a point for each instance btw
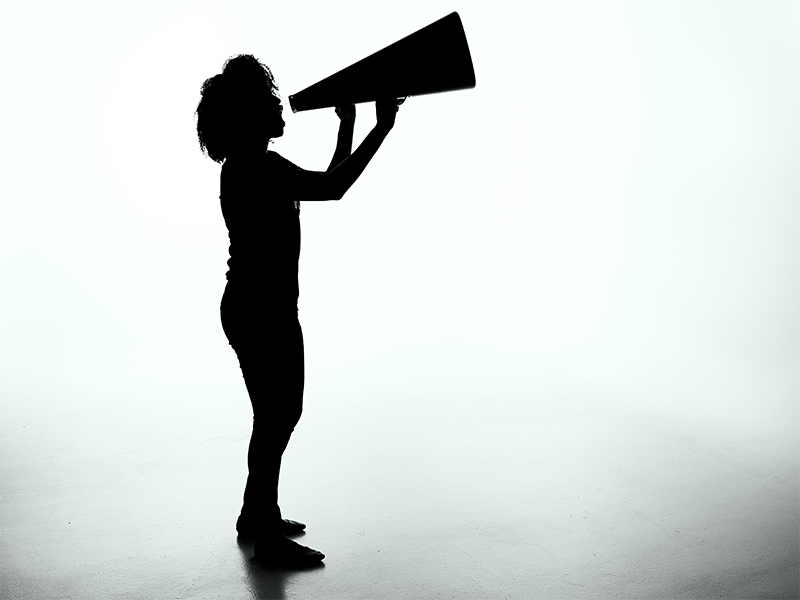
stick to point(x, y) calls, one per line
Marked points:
point(260, 192)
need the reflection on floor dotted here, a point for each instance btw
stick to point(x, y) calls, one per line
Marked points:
point(548, 493)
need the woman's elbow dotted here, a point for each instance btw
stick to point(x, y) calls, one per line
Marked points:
point(326, 186)
point(329, 193)
point(322, 195)
point(337, 190)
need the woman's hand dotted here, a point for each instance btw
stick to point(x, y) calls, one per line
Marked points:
point(386, 111)
point(346, 112)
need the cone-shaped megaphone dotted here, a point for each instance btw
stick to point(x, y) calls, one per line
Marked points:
point(434, 59)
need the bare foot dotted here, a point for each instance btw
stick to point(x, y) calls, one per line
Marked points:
point(281, 551)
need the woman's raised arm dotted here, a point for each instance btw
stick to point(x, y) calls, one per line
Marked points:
point(344, 140)
point(334, 183)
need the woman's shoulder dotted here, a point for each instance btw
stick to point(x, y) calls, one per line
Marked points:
point(275, 160)
point(268, 170)
point(251, 163)
point(243, 168)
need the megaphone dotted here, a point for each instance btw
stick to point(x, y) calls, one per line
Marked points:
point(434, 59)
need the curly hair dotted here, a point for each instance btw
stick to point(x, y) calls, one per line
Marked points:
point(229, 102)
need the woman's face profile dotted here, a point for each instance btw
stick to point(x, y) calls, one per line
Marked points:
point(274, 114)
point(259, 119)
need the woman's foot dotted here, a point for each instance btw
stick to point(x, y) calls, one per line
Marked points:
point(283, 552)
point(249, 529)
point(289, 527)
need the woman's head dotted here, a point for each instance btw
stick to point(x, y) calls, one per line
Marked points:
point(239, 109)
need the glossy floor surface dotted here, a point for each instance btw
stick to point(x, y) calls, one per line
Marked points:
point(555, 491)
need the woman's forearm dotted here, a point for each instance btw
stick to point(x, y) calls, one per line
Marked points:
point(344, 175)
point(344, 144)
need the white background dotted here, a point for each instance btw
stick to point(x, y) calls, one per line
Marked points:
point(615, 202)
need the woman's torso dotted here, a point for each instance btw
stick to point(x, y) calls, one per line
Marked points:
point(263, 227)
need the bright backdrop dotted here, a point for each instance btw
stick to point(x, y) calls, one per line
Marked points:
point(615, 202)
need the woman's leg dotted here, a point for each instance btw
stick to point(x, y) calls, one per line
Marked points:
point(270, 351)
point(273, 372)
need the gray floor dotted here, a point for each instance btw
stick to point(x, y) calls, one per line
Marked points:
point(555, 491)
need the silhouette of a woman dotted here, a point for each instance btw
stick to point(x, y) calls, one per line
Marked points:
point(260, 193)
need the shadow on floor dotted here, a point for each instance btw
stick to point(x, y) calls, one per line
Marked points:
point(267, 581)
